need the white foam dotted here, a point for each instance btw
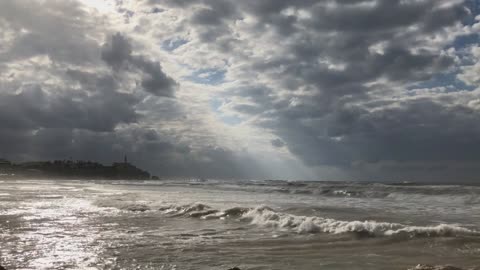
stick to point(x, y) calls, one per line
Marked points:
point(304, 224)
point(267, 217)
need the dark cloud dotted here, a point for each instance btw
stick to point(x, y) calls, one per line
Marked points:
point(118, 54)
point(74, 108)
point(33, 108)
point(278, 143)
point(330, 80)
point(336, 53)
point(206, 16)
point(38, 31)
point(420, 132)
point(92, 114)
point(155, 81)
point(103, 125)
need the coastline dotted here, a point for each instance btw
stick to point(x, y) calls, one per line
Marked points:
point(68, 169)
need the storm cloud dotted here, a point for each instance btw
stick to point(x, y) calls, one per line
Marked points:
point(341, 89)
point(118, 54)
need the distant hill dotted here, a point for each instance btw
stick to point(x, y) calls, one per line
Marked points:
point(67, 169)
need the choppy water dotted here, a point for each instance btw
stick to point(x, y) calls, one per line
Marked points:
point(221, 224)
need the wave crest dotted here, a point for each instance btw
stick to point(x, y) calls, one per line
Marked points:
point(265, 216)
point(307, 224)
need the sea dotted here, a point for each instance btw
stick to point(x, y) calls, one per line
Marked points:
point(222, 224)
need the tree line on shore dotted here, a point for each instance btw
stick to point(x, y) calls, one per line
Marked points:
point(69, 169)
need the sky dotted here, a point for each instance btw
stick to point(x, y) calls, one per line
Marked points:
point(376, 90)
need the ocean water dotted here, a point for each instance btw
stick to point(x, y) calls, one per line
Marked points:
point(248, 224)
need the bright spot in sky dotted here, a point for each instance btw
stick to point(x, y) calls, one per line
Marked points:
point(103, 6)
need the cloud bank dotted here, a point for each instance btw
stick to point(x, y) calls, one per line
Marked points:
point(337, 89)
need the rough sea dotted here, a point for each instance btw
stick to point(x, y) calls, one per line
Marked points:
point(246, 224)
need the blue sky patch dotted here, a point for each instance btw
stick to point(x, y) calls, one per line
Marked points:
point(209, 76)
point(231, 120)
point(465, 41)
point(173, 44)
point(215, 105)
point(448, 80)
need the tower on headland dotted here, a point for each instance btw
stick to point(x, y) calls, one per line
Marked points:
point(125, 160)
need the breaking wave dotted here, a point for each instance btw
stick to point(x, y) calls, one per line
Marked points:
point(264, 216)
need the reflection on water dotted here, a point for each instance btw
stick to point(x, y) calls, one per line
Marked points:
point(84, 225)
point(51, 233)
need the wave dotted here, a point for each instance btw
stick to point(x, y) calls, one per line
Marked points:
point(437, 267)
point(266, 217)
point(198, 210)
point(462, 194)
point(467, 195)
point(467, 198)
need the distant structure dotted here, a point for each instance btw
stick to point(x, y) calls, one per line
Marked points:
point(125, 160)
